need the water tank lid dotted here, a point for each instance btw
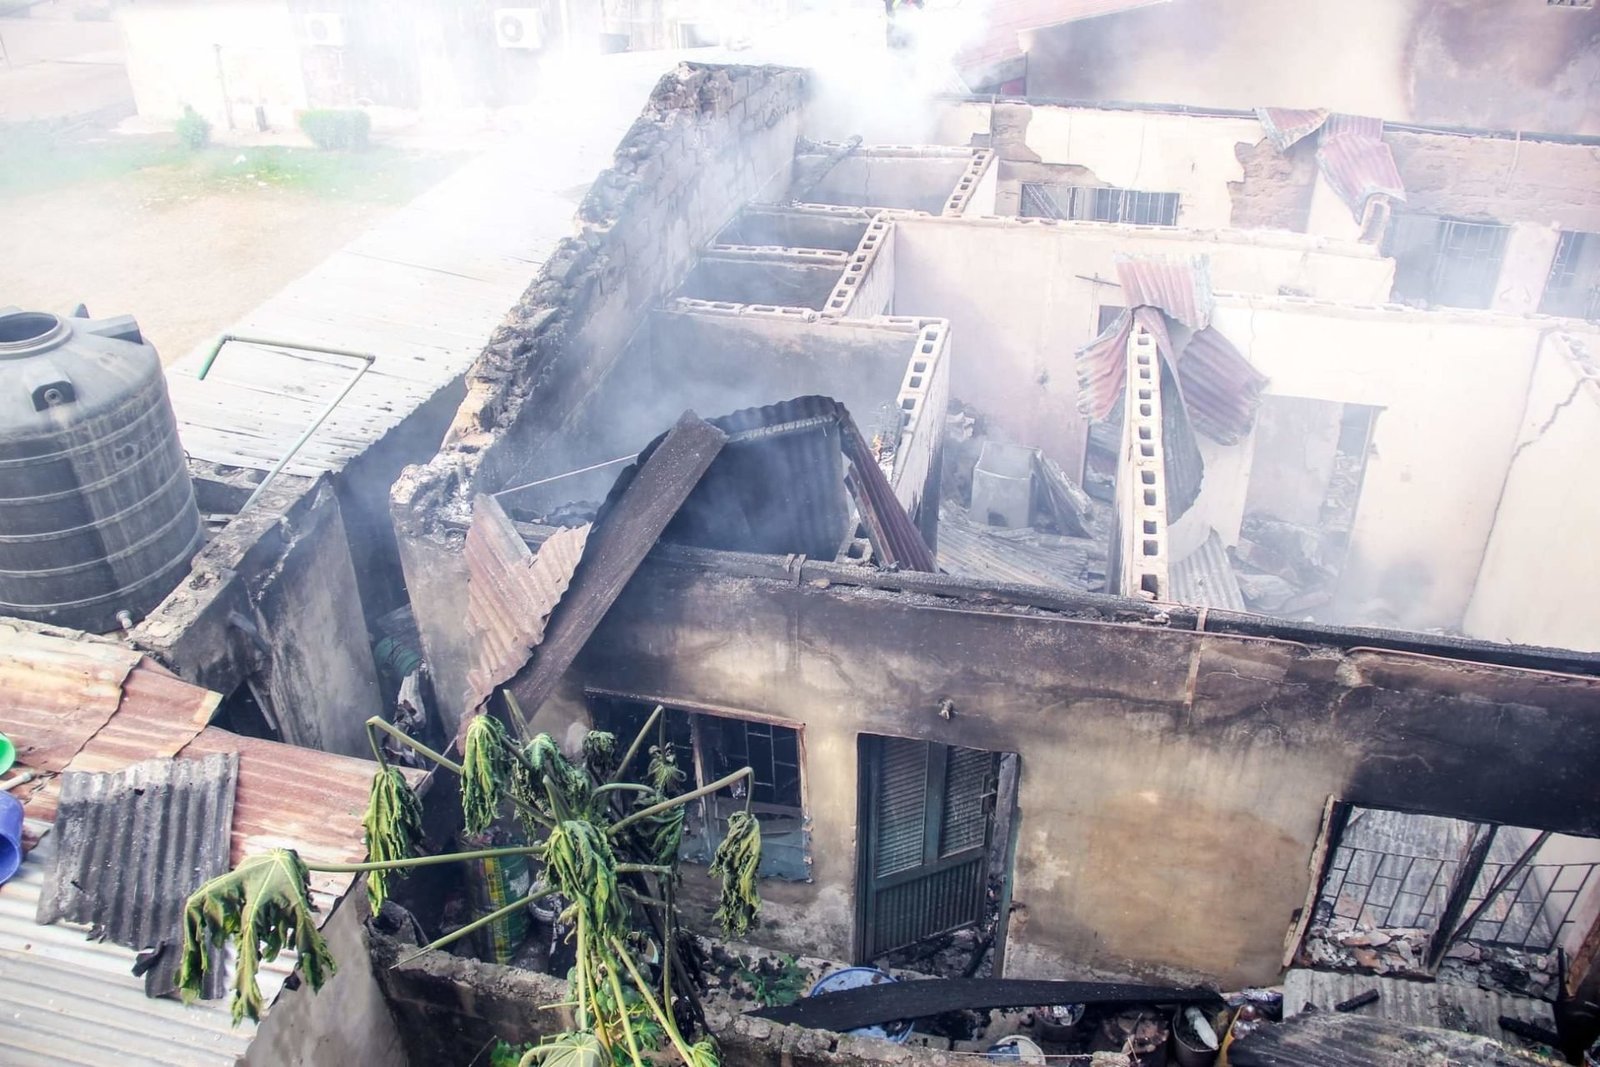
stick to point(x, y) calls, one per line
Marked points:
point(27, 333)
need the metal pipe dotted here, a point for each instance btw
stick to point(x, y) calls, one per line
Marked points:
point(367, 360)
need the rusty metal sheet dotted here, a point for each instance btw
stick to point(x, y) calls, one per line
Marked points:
point(132, 845)
point(290, 797)
point(1356, 163)
point(55, 692)
point(895, 538)
point(641, 504)
point(511, 593)
point(1286, 126)
point(1205, 578)
point(1179, 285)
point(1221, 390)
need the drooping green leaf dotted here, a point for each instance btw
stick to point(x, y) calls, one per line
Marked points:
point(485, 772)
point(665, 774)
point(393, 824)
point(703, 1054)
point(580, 864)
point(736, 861)
point(600, 753)
point(264, 906)
point(567, 1050)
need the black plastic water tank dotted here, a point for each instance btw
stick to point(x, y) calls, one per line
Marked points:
point(97, 513)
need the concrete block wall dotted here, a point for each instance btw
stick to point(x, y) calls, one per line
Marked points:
point(1142, 477)
point(924, 402)
point(866, 286)
point(273, 597)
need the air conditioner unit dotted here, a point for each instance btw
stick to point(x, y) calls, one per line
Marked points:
point(519, 27)
point(324, 29)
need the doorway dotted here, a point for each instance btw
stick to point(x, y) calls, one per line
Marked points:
point(934, 845)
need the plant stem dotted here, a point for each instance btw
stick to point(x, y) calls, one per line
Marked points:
point(424, 861)
point(668, 805)
point(518, 720)
point(638, 742)
point(377, 723)
point(665, 1018)
point(622, 1005)
point(642, 868)
point(644, 898)
point(636, 787)
point(477, 924)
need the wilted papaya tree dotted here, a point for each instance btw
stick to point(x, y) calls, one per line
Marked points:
point(607, 842)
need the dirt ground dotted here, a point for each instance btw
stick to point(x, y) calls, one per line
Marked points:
point(186, 249)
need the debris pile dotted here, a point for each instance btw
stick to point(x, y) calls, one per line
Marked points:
point(1340, 943)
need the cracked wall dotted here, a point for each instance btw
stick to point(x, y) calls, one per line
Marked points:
point(1540, 579)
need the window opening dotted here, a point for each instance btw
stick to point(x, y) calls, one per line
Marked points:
point(1398, 888)
point(1099, 203)
point(1445, 261)
point(1573, 288)
point(708, 747)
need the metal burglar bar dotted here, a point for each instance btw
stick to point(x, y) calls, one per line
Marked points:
point(1445, 261)
point(1096, 203)
point(1389, 890)
point(927, 817)
point(1573, 288)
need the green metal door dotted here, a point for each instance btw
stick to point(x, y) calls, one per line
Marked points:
point(926, 817)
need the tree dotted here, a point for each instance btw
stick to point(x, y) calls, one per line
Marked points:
point(608, 844)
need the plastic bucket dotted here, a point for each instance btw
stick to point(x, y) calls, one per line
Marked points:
point(855, 978)
point(10, 836)
point(1015, 1049)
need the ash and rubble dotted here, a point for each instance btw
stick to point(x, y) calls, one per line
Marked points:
point(1338, 942)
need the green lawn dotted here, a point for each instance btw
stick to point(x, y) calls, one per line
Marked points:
point(39, 156)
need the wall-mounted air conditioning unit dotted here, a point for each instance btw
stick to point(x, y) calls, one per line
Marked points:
point(323, 28)
point(519, 27)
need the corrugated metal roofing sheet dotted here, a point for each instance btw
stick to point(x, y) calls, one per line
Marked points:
point(511, 593)
point(55, 693)
point(68, 1000)
point(130, 848)
point(1221, 390)
point(1004, 21)
point(1356, 163)
point(1450, 1005)
point(1179, 285)
point(1205, 578)
point(1285, 127)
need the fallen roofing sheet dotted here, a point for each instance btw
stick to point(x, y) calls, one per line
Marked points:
point(1333, 1039)
point(1179, 285)
point(1286, 126)
point(643, 502)
point(511, 593)
point(55, 692)
point(1451, 1005)
point(130, 848)
point(893, 1001)
point(1356, 162)
point(970, 549)
point(1205, 578)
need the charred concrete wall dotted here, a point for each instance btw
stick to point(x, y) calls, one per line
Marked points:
point(450, 1009)
point(1538, 585)
point(273, 598)
point(348, 1021)
point(1172, 782)
point(710, 139)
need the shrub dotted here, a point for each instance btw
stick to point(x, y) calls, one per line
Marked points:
point(336, 127)
point(193, 129)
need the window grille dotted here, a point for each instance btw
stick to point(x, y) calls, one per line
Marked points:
point(1093, 203)
point(1445, 261)
point(1573, 288)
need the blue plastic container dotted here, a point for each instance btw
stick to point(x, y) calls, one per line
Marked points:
point(855, 978)
point(10, 836)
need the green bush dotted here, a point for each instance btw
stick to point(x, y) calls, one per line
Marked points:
point(330, 127)
point(193, 129)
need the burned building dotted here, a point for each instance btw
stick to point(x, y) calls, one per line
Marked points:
point(1076, 523)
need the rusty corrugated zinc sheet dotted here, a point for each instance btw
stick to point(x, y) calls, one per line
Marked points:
point(56, 692)
point(511, 593)
point(1178, 285)
point(1221, 390)
point(1205, 578)
point(1286, 126)
point(1356, 163)
point(132, 845)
